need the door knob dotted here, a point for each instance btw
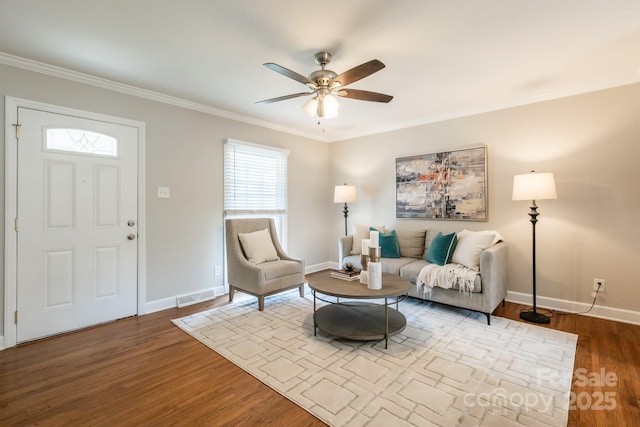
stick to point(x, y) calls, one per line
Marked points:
point(131, 236)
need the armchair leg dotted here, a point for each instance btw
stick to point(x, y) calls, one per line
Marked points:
point(301, 288)
point(231, 291)
point(261, 303)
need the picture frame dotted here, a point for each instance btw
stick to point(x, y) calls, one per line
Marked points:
point(447, 185)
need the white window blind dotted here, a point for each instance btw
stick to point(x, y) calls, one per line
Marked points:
point(255, 179)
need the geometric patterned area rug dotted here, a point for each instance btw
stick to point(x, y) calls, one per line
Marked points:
point(447, 368)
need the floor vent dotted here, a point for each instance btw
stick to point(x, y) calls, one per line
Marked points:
point(195, 297)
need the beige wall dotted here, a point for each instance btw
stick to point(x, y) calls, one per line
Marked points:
point(592, 144)
point(184, 152)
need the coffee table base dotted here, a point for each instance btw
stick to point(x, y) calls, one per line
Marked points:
point(359, 321)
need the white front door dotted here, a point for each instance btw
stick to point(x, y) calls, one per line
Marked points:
point(77, 223)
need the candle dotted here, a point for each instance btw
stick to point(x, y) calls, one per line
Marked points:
point(374, 276)
point(365, 246)
point(374, 236)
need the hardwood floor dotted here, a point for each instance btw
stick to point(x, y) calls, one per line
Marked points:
point(145, 371)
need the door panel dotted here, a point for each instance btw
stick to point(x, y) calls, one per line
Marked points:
point(76, 267)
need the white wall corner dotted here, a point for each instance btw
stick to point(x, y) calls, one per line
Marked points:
point(219, 290)
point(566, 306)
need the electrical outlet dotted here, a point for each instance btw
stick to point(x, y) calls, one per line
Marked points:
point(218, 270)
point(599, 282)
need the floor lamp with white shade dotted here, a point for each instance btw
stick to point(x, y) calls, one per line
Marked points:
point(534, 186)
point(344, 194)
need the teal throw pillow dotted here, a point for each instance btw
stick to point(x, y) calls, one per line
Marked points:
point(441, 249)
point(389, 247)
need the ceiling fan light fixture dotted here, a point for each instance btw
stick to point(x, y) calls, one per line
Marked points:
point(311, 106)
point(326, 85)
point(330, 106)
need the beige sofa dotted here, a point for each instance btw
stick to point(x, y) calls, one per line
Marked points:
point(489, 288)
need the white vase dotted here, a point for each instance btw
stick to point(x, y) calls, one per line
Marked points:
point(363, 277)
point(375, 275)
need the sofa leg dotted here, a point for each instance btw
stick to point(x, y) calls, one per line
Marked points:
point(488, 318)
point(503, 303)
point(301, 289)
point(261, 303)
point(231, 290)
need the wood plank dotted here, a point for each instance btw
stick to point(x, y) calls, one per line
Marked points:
point(144, 370)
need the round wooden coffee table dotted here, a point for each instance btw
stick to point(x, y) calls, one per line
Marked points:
point(358, 320)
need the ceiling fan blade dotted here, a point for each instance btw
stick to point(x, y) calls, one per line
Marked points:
point(282, 98)
point(359, 72)
point(364, 95)
point(288, 73)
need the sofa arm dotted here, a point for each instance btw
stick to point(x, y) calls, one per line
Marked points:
point(345, 243)
point(493, 272)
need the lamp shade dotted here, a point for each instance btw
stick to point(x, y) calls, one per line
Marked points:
point(330, 106)
point(311, 106)
point(534, 186)
point(344, 194)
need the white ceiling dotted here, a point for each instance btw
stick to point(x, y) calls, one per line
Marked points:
point(444, 58)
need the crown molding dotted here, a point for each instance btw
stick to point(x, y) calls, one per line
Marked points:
point(67, 74)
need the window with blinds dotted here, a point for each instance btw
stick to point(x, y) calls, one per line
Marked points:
point(255, 179)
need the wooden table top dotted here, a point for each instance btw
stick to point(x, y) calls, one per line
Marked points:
point(392, 286)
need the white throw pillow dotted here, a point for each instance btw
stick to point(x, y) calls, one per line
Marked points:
point(258, 246)
point(361, 232)
point(471, 244)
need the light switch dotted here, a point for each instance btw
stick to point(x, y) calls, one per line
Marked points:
point(163, 192)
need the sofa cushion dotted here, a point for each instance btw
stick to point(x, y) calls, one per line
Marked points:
point(388, 244)
point(411, 243)
point(393, 265)
point(441, 249)
point(428, 238)
point(471, 244)
point(258, 247)
point(361, 232)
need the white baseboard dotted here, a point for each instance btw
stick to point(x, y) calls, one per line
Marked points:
point(1, 342)
point(599, 311)
point(159, 305)
point(318, 267)
point(170, 302)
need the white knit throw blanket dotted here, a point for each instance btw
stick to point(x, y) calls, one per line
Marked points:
point(445, 276)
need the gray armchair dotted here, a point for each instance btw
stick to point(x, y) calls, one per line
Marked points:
point(265, 278)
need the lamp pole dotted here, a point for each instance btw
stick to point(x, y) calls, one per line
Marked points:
point(346, 214)
point(533, 315)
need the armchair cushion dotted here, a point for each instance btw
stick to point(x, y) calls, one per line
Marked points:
point(258, 247)
point(275, 269)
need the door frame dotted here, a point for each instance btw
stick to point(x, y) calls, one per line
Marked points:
point(11, 204)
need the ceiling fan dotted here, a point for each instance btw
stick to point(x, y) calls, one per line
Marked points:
point(324, 84)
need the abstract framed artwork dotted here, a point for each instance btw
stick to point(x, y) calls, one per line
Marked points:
point(450, 185)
